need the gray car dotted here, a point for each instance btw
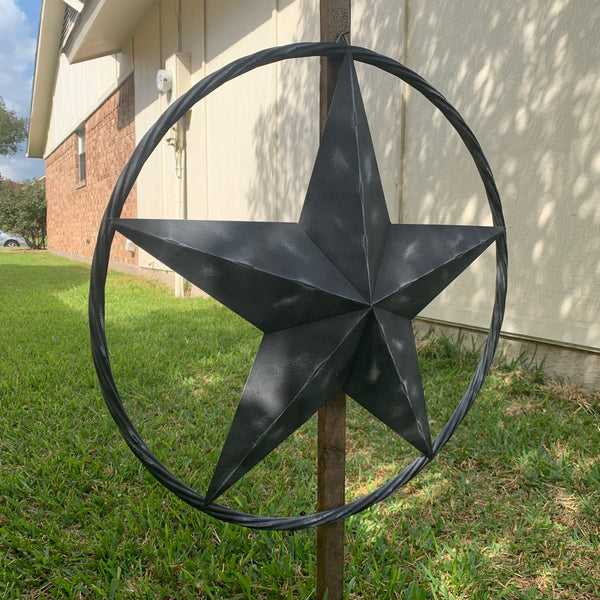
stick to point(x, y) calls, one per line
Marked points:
point(11, 240)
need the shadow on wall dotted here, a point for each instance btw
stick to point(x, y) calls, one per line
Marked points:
point(527, 80)
point(286, 162)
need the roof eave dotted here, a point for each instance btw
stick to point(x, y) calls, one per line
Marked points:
point(46, 65)
point(104, 27)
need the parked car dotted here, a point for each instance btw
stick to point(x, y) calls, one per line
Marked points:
point(11, 240)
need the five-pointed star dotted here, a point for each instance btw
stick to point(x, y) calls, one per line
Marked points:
point(334, 293)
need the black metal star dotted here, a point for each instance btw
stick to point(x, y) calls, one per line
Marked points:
point(334, 293)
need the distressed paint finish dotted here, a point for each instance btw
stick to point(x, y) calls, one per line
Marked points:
point(370, 336)
point(361, 340)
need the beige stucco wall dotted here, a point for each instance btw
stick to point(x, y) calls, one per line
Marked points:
point(80, 89)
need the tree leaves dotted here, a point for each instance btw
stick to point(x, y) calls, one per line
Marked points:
point(23, 210)
point(13, 130)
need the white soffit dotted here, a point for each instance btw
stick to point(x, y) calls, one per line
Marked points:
point(103, 27)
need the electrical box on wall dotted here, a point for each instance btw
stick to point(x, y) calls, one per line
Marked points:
point(164, 80)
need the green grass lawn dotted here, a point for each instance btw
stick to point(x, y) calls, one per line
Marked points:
point(510, 509)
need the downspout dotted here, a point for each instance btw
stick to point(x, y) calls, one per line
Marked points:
point(183, 169)
point(181, 193)
point(182, 68)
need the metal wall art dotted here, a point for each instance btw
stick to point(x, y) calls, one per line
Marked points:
point(334, 294)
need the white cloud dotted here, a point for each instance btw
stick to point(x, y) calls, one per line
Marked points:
point(17, 55)
point(20, 167)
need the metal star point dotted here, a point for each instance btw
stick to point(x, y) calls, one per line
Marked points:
point(334, 293)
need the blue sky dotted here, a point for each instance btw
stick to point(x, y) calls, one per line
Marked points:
point(18, 35)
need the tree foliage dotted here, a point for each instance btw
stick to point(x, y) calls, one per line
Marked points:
point(23, 210)
point(13, 130)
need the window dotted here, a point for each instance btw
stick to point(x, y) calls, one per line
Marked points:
point(81, 153)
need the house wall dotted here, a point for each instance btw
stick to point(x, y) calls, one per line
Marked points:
point(97, 95)
point(79, 91)
point(250, 144)
point(75, 207)
point(526, 77)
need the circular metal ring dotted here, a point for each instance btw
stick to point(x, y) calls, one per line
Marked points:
point(106, 233)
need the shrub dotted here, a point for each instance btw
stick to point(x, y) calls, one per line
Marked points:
point(23, 210)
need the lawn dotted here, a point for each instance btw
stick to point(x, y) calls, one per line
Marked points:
point(509, 510)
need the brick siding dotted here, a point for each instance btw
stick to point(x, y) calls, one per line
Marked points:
point(75, 208)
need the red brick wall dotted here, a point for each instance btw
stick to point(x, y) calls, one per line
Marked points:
point(75, 208)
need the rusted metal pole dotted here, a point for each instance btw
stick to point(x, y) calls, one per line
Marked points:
point(331, 470)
